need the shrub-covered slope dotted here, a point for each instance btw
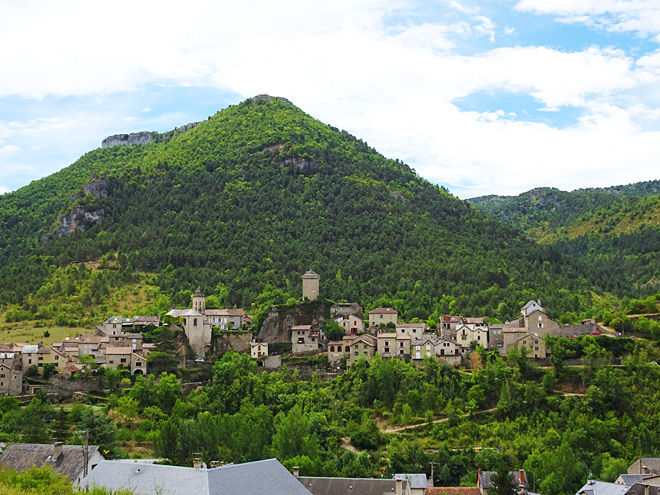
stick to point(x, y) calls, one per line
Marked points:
point(616, 228)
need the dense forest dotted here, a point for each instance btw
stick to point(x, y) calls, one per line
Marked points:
point(616, 227)
point(383, 417)
point(250, 199)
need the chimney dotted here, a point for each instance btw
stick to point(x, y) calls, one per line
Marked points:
point(197, 462)
point(215, 464)
point(646, 489)
point(645, 470)
point(398, 486)
point(57, 450)
point(296, 471)
point(479, 477)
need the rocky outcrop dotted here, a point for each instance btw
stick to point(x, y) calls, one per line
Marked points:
point(302, 164)
point(98, 186)
point(277, 325)
point(81, 216)
point(346, 310)
point(77, 219)
point(128, 139)
point(144, 137)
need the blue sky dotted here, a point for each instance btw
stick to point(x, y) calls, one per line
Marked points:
point(482, 97)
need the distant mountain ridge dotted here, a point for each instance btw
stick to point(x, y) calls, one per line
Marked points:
point(245, 202)
point(617, 226)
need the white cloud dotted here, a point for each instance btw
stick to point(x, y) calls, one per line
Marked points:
point(8, 149)
point(349, 64)
point(642, 16)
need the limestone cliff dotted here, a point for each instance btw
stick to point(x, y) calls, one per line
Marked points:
point(276, 327)
point(128, 139)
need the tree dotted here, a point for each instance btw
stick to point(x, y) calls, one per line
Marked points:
point(101, 429)
point(161, 362)
point(333, 330)
point(502, 483)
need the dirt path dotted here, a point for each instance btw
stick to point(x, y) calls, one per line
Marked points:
point(346, 444)
point(395, 429)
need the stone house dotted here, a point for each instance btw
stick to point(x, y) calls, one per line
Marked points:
point(495, 336)
point(412, 329)
point(362, 346)
point(430, 345)
point(11, 381)
point(118, 356)
point(198, 322)
point(511, 335)
point(305, 338)
point(225, 319)
point(448, 326)
point(645, 465)
point(138, 364)
point(39, 355)
point(258, 349)
point(10, 359)
point(351, 324)
point(393, 345)
point(338, 349)
point(484, 480)
point(535, 346)
point(383, 316)
point(126, 358)
point(469, 332)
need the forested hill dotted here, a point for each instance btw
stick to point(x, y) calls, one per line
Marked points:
point(248, 200)
point(617, 227)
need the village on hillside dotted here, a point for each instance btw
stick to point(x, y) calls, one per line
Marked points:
point(119, 342)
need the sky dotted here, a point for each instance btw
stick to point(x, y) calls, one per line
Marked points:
point(482, 97)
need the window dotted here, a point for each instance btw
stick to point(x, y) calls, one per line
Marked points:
point(338, 348)
point(123, 360)
point(365, 346)
point(332, 348)
point(194, 321)
point(428, 347)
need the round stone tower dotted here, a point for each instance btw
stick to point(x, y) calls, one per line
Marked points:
point(310, 285)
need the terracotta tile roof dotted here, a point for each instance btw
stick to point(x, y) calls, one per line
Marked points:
point(301, 327)
point(223, 312)
point(453, 490)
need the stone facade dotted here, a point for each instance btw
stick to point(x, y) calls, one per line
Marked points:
point(310, 285)
point(383, 316)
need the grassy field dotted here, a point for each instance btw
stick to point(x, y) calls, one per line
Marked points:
point(26, 332)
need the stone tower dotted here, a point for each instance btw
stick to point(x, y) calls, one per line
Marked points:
point(310, 285)
point(199, 301)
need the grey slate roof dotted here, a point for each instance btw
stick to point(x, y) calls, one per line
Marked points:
point(416, 480)
point(267, 477)
point(631, 479)
point(485, 478)
point(20, 456)
point(593, 487)
point(352, 486)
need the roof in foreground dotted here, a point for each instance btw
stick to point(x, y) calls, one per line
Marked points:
point(354, 486)
point(417, 480)
point(266, 477)
point(593, 487)
point(453, 490)
point(20, 456)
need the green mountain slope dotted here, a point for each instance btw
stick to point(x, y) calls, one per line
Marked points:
point(247, 201)
point(616, 227)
